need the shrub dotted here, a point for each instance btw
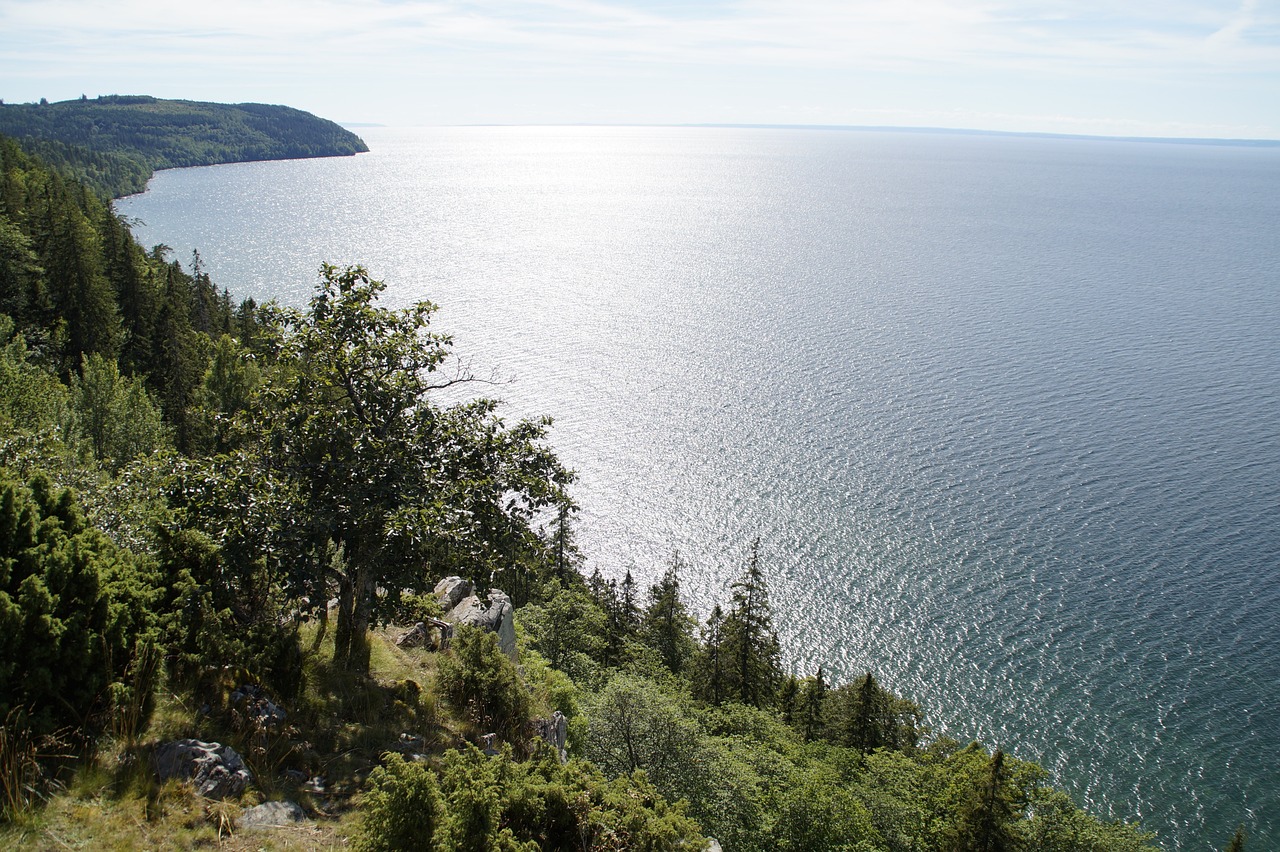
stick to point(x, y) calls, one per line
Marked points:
point(401, 808)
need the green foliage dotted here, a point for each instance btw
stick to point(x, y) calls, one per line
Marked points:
point(666, 625)
point(492, 803)
point(401, 808)
point(986, 818)
point(115, 413)
point(396, 481)
point(31, 398)
point(567, 629)
point(866, 716)
point(482, 684)
point(747, 657)
point(73, 609)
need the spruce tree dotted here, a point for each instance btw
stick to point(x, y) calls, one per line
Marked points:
point(709, 679)
point(986, 819)
point(666, 625)
point(810, 704)
point(753, 673)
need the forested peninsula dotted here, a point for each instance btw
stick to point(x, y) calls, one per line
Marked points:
point(260, 587)
point(114, 143)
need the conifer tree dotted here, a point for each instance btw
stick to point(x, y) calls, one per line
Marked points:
point(753, 673)
point(667, 626)
point(787, 696)
point(986, 819)
point(709, 681)
point(810, 704)
point(1237, 841)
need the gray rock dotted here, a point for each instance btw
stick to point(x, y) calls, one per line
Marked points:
point(271, 815)
point(451, 591)
point(498, 616)
point(215, 770)
point(252, 704)
point(713, 845)
point(417, 637)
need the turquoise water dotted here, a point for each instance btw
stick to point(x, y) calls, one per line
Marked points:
point(1005, 412)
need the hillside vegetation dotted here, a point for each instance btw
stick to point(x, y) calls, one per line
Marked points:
point(216, 519)
point(113, 143)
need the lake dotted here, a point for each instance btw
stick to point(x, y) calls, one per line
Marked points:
point(1003, 411)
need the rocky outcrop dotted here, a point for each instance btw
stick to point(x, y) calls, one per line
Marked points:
point(215, 770)
point(498, 615)
point(432, 633)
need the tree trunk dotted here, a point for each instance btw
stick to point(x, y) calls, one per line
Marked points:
point(342, 631)
point(361, 612)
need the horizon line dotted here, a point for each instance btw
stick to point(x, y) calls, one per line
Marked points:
point(870, 128)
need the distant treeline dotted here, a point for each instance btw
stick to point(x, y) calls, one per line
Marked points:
point(114, 143)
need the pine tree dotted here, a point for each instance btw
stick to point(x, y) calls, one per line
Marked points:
point(1237, 841)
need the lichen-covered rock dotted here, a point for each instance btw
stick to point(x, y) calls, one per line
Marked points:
point(498, 616)
point(215, 770)
point(554, 730)
point(451, 591)
point(271, 815)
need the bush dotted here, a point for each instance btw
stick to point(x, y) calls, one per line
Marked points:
point(482, 685)
point(74, 611)
point(401, 808)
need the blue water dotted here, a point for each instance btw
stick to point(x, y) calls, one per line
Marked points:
point(1004, 412)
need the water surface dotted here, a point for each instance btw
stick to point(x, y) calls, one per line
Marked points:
point(1004, 412)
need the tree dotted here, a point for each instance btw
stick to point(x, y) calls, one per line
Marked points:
point(404, 487)
point(115, 413)
point(986, 818)
point(709, 676)
point(810, 704)
point(1237, 841)
point(667, 626)
point(753, 673)
point(866, 716)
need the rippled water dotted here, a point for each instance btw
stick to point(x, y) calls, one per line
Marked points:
point(1005, 412)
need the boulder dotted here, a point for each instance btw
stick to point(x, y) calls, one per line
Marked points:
point(451, 591)
point(271, 815)
point(215, 770)
point(498, 616)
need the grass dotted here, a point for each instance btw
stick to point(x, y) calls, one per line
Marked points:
point(337, 729)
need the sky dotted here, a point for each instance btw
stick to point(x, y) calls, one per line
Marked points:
point(1178, 68)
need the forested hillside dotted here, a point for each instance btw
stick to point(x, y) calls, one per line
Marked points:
point(114, 142)
point(221, 531)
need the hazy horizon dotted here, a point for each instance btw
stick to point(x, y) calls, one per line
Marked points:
point(1185, 69)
